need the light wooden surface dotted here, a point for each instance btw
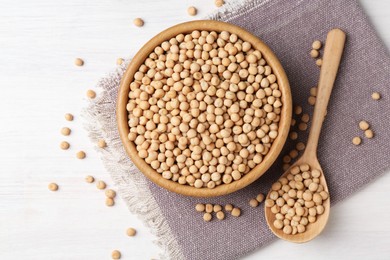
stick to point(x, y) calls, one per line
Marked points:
point(284, 123)
point(334, 47)
point(39, 83)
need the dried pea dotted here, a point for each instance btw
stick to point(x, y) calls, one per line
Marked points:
point(192, 11)
point(80, 155)
point(200, 207)
point(376, 96)
point(64, 145)
point(116, 254)
point(314, 53)
point(131, 232)
point(363, 125)
point(53, 186)
point(260, 197)
point(369, 133)
point(138, 22)
point(110, 202)
point(68, 117)
point(253, 203)
point(356, 140)
point(236, 212)
point(110, 193)
point(219, 3)
point(228, 207)
point(89, 179)
point(102, 143)
point(101, 185)
point(119, 61)
point(311, 100)
point(78, 62)
point(220, 215)
point(91, 94)
point(302, 126)
point(207, 217)
point(316, 45)
point(65, 131)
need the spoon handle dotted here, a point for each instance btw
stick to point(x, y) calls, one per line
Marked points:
point(332, 55)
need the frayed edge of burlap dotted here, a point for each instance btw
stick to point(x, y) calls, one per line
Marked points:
point(99, 120)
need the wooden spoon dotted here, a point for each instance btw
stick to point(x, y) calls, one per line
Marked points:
point(332, 55)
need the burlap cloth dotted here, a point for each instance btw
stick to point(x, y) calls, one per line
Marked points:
point(289, 27)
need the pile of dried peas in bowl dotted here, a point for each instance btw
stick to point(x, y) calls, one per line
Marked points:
point(204, 108)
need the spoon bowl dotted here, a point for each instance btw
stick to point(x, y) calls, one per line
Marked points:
point(313, 229)
point(332, 55)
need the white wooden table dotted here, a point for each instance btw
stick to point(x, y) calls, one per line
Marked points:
point(39, 83)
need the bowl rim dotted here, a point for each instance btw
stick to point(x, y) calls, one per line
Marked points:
point(284, 123)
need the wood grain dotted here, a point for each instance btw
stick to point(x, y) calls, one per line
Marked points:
point(39, 83)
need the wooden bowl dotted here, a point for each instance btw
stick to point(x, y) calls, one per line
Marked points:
point(284, 124)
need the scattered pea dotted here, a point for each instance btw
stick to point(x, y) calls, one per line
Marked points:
point(356, 140)
point(200, 207)
point(217, 208)
point(110, 202)
point(64, 145)
point(293, 135)
point(302, 126)
point(300, 146)
point(293, 122)
point(293, 154)
point(298, 110)
point(78, 62)
point(138, 22)
point(228, 207)
point(369, 133)
point(116, 255)
point(101, 185)
point(313, 91)
point(91, 94)
point(236, 212)
point(192, 11)
point(319, 62)
point(253, 203)
point(314, 53)
point(209, 208)
point(68, 117)
point(316, 45)
point(53, 186)
point(65, 131)
point(364, 125)
point(376, 96)
point(260, 197)
point(80, 155)
point(305, 118)
point(219, 3)
point(220, 215)
point(119, 61)
point(89, 179)
point(110, 193)
point(102, 143)
point(311, 100)
point(131, 232)
point(207, 217)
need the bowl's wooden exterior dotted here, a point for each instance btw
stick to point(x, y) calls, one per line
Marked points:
point(284, 124)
